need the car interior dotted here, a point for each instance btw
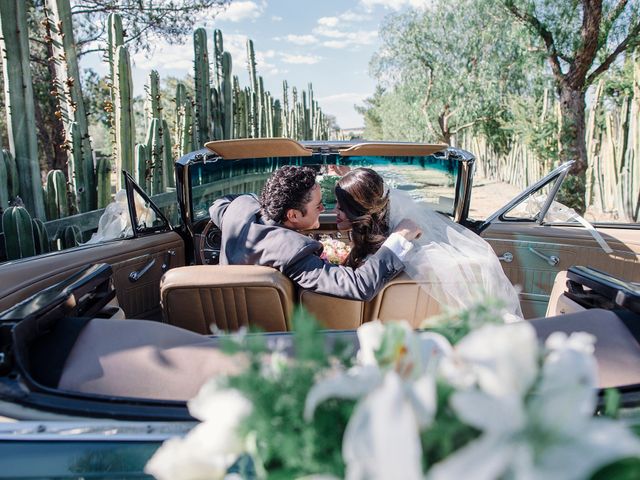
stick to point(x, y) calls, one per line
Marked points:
point(131, 324)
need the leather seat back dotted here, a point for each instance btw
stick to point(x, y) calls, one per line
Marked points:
point(333, 313)
point(228, 297)
point(402, 299)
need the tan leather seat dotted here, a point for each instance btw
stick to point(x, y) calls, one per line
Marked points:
point(402, 299)
point(333, 313)
point(226, 297)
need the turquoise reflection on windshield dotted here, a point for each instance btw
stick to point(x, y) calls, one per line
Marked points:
point(428, 179)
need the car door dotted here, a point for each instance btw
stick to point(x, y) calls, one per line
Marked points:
point(534, 241)
point(138, 261)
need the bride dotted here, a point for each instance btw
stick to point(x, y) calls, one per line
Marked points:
point(454, 265)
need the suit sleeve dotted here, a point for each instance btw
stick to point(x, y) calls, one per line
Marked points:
point(309, 271)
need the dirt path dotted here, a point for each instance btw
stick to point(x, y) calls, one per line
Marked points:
point(488, 196)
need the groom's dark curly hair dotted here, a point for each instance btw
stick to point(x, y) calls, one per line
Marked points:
point(288, 187)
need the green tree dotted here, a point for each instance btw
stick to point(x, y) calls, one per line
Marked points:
point(582, 39)
point(456, 63)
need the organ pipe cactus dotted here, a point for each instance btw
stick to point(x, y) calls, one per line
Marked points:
point(18, 233)
point(40, 236)
point(254, 101)
point(123, 109)
point(56, 195)
point(168, 178)
point(69, 236)
point(18, 91)
point(69, 95)
point(218, 51)
point(76, 166)
point(285, 109)
point(154, 109)
point(115, 38)
point(142, 167)
point(4, 186)
point(103, 181)
point(216, 115)
point(227, 96)
point(154, 147)
point(13, 182)
point(202, 86)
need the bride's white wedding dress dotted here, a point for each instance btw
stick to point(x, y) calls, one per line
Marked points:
point(454, 265)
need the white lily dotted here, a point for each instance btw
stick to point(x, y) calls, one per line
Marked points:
point(211, 447)
point(533, 430)
point(396, 376)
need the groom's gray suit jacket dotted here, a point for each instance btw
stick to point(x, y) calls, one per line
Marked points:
point(250, 239)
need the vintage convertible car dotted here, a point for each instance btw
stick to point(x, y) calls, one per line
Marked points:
point(115, 336)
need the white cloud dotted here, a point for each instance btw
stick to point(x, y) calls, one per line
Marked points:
point(242, 10)
point(360, 37)
point(394, 4)
point(165, 56)
point(301, 39)
point(300, 59)
point(276, 18)
point(335, 44)
point(328, 21)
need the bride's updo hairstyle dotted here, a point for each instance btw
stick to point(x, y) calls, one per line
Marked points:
point(362, 197)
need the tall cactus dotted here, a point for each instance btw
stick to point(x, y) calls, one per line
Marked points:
point(18, 233)
point(40, 236)
point(180, 100)
point(227, 96)
point(154, 109)
point(18, 90)
point(13, 182)
point(115, 38)
point(69, 94)
point(142, 167)
point(285, 110)
point(187, 138)
point(77, 164)
point(168, 178)
point(202, 86)
point(4, 186)
point(254, 111)
point(56, 195)
point(218, 51)
point(155, 147)
point(123, 109)
point(103, 181)
point(277, 119)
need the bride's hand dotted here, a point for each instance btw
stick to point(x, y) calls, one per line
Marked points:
point(408, 229)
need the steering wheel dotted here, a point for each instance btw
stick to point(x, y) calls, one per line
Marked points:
point(204, 243)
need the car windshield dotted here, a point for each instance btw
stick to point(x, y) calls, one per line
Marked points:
point(430, 179)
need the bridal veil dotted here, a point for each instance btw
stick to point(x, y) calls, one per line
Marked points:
point(454, 265)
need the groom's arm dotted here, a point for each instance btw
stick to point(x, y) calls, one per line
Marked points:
point(217, 208)
point(363, 283)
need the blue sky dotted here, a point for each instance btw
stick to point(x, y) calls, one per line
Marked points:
point(326, 42)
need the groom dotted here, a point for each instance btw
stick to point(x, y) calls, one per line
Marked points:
point(265, 232)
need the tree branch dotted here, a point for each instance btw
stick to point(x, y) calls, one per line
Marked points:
point(545, 34)
point(632, 36)
point(589, 39)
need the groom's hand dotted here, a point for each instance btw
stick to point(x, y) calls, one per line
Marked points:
point(408, 229)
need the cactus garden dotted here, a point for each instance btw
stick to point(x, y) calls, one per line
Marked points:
point(36, 200)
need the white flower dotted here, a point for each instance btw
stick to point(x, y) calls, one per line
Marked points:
point(532, 430)
point(396, 376)
point(208, 450)
point(501, 360)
